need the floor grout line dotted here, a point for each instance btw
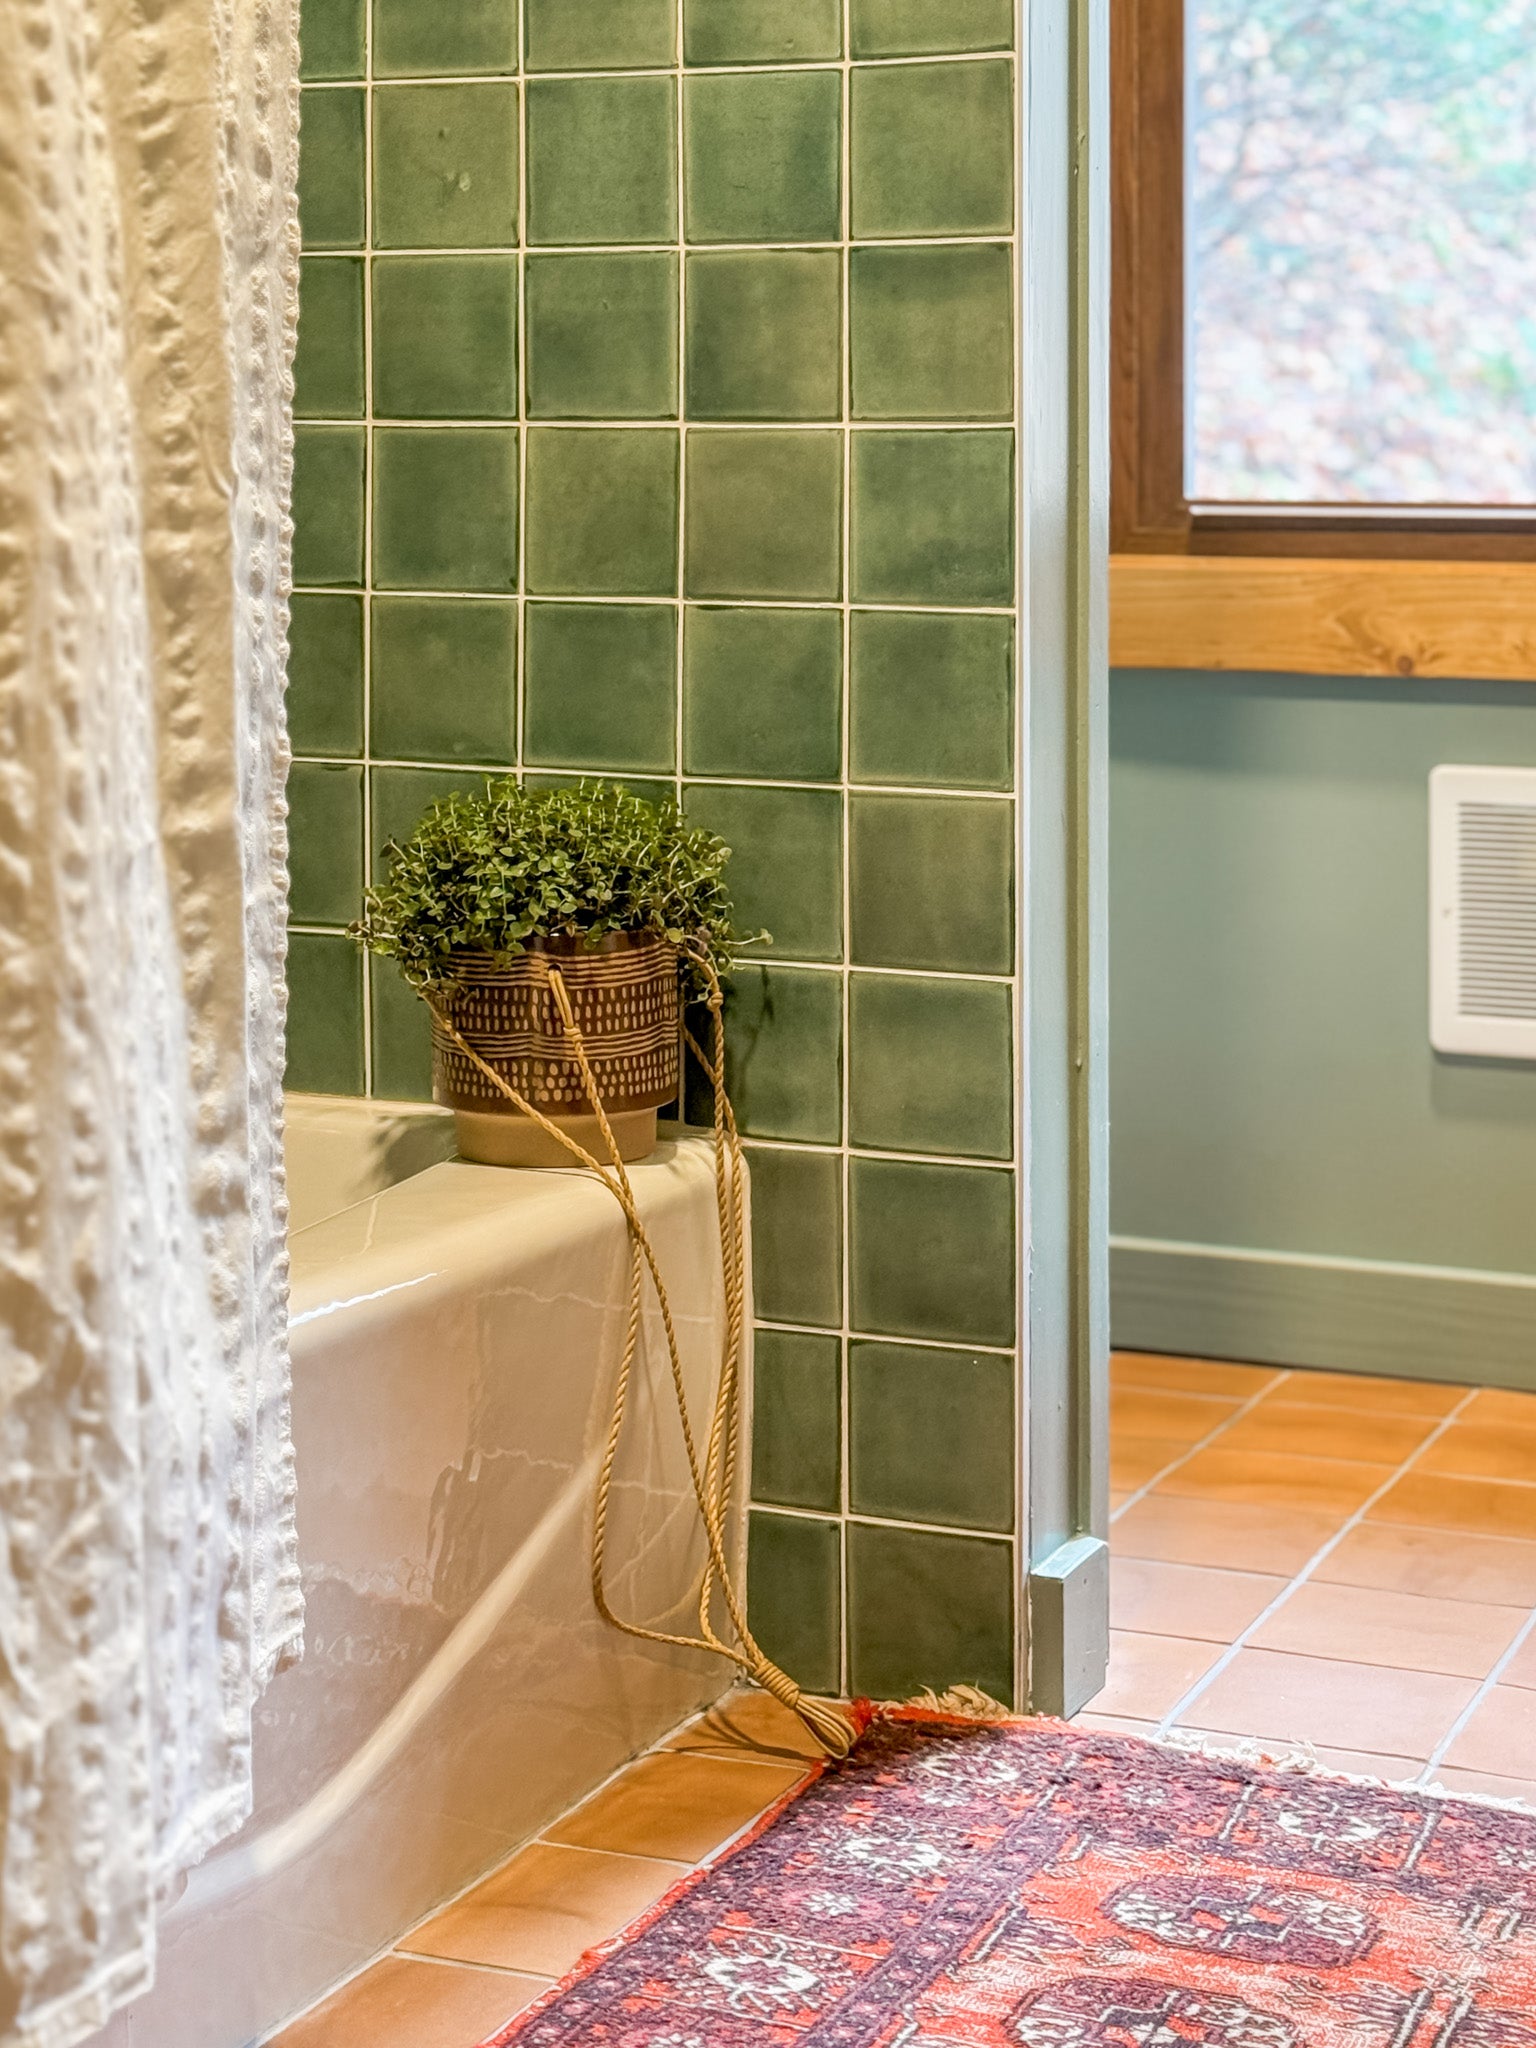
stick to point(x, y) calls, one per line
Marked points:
point(1203, 1685)
point(1203, 1443)
point(1438, 1755)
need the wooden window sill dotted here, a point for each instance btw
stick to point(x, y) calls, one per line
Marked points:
point(1300, 616)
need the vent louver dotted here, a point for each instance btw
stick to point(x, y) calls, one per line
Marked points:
point(1483, 911)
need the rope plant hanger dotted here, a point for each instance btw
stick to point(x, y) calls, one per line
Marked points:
point(712, 1472)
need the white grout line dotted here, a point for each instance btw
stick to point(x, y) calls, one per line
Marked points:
point(366, 964)
point(1204, 1443)
point(1202, 1685)
point(664, 249)
point(919, 60)
point(768, 1324)
point(433, 423)
point(1442, 1748)
point(585, 597)
point(845, 730)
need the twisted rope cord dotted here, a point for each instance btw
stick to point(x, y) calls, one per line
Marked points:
point(713, 1479)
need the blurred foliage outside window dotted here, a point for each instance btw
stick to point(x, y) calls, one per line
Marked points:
point(1362, 233)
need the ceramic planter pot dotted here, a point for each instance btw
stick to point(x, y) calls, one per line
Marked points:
point(624, 994)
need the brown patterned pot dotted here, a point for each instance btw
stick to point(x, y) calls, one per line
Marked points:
point(624, 994)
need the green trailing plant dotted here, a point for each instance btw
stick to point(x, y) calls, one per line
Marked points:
point(489, 872)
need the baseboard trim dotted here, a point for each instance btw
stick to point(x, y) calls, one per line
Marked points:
point(1353, 1315)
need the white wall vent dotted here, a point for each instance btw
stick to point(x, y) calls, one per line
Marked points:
point(1482, 911)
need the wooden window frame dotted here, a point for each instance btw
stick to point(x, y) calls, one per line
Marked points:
point(1149, 513)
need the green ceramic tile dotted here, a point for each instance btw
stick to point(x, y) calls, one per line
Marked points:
point(762, 157)
point(328, 505)
point(932, 1251)
point(761, 31)
point(784, 1053)
point(445, 166)
point(931, 699)
point(651, 789)
point(764, 334)
point(325, 674)
point(797, 1457)
point(331, 39)
point(325, 842)
point(444, 679)
point(932, 882)
point(601, 685)
point(445, 337)
point(906, 308)
point(933, 517)
point(797, 1209)
point(402, 1036)
point(794, 1596)
point(931, 1066)
point(602, 511)
point(445, 508)
point(328, 364)
point(602, 337)
point(764, 514)
point(602, 160)
point(928, 1611)
point(411, 40)
point(786, 872)
point(403, 796)
point(924, 28)
point(933, 149)
point(331, 167)
point(601, 35)
point(931, 1436)
point(325, 1015)
point(762, 693)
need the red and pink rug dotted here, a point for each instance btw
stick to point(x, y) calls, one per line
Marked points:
point(1029, 1885)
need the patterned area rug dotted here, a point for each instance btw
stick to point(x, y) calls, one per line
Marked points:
point(1027, 1885)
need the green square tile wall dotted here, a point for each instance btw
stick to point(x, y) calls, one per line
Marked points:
point(658, 386)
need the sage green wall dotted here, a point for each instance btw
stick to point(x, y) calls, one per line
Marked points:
point(657, 395)
point(1273, 1083)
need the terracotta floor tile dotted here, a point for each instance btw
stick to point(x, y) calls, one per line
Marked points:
point(1188, 1375)
point(749, 1721)
point(544, 1909)
point(1483, 1450)
point(1276, 1479)
point(1148, 1675)
point(1362, 1625)
point(1486, 1784)
point(1399, 1559)
point(678, 1807)
point(1143, 1411)
point(1162, 1599)
point(1232, 1534)
point(1521, 1670)
point(1477, 1507)
point(1134, 1460)
point(1118, 1498)
point(1281, 1425)
point(1325, 1700)
point(1501, 1406)
point(1114, 1724)
point(399, 2003)
point(1373, 1396)
point(1501, 1735)
point(1354, 1763)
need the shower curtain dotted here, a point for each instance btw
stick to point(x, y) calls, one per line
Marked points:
point(148, 1578)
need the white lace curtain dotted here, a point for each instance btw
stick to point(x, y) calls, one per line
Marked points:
point(148, 1581)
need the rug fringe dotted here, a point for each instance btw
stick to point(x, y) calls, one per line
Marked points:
point(960, 1703)
point(1303, 1762)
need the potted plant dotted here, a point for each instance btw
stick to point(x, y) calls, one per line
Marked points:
point(492, 891)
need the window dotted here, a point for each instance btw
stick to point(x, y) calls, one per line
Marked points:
point(1325, 276)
